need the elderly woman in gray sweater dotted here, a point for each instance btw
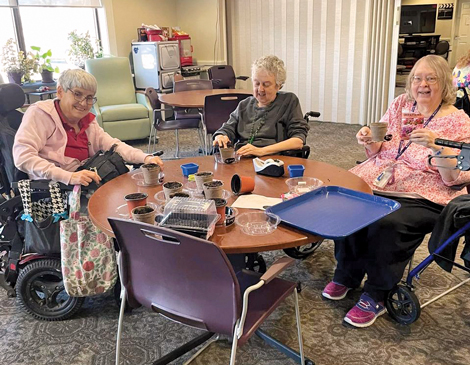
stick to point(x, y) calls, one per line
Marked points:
point(268, 122)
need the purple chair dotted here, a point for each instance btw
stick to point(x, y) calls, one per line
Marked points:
point(168, 272)
point(217, 109)
point(223, 77)
point(165, 119)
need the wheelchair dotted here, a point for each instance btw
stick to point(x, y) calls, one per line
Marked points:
point(36, 280)
point(402, 303)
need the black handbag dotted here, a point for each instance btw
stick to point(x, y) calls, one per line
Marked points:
point(107, 165)
point(41, 219)
point(463, 102)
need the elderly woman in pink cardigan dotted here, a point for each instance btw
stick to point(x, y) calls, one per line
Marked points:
point(57, 136)
point(399, 169)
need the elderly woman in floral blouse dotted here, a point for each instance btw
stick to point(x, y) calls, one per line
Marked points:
point(399, 169)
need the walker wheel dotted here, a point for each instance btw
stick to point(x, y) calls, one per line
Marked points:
point(403, 305)
point(302, 252)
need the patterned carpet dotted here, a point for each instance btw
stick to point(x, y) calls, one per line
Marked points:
point(440, 336)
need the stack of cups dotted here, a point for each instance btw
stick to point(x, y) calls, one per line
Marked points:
point(201, 178)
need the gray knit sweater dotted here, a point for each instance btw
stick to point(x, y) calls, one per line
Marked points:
point(279, 121)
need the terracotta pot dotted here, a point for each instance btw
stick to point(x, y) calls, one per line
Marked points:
point(213, 189)
point(144, 214)
point(135, 200)
point(242, 184)
point(220, 205)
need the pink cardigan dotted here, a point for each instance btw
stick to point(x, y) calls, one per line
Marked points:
point(412, 172)
point(40, 144)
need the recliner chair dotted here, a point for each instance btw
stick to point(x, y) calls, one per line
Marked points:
point(120, 110)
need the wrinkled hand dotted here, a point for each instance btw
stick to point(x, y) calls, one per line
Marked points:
point(84, 177)
point(424, 137)
point(154, 159)
point(250, 150)
point(364, 136)
point(221, 141)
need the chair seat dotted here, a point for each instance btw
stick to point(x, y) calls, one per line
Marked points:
point(261, 302)
point(112, 113)
point(178, 124)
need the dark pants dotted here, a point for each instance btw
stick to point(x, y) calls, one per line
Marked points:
point(383, 249)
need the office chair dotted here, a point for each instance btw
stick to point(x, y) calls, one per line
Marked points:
point(120, 110)
point(223, 77)
point(165, 120)
point(217, 109)
point(442, 49)
point(168, 272)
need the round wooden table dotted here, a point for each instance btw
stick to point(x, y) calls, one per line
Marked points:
point(195, 98)
point(105, 201)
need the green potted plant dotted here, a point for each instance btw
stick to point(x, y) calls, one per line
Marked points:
point(18, 65)
point(44, 66)
point(81, 48)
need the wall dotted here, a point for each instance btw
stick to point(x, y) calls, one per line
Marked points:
point(443, 27)
point(128, 16)
point(204, 21)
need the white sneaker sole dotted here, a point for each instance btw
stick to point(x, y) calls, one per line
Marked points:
point(328, 296)
point(367, 324)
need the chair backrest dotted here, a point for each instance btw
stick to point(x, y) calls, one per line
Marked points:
point(152, 95)
point(442, 48)
point(188, 85)
point(115, 84)
point(217, 109)
point(185, 278)
point(11, 98)
point(223, 77)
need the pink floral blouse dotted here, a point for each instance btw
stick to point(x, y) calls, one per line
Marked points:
point(412, 172)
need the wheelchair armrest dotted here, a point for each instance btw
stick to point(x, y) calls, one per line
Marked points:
point(311, 114)
point(243, 78)
point(304, 152)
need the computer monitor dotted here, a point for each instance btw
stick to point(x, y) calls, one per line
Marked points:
point(418, 19)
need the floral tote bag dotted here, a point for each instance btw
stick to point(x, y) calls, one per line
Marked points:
point(88, 256)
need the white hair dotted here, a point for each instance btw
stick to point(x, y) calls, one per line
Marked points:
point(273, 65)
point(78, 78)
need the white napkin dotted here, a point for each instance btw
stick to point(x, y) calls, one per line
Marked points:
point(254, 201)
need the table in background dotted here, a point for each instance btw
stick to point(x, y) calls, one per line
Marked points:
point(195, 98)
point(41, 94)
point(104, 202)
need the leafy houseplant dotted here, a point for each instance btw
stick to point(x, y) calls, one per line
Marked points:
point(44, 66)
point(18, 65)
point(81, 48)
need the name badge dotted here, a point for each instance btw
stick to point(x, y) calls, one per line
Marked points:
point(385, 177)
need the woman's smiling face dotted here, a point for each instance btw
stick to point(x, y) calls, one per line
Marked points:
point(425, 91)
point(264, 87)
point(73, 109)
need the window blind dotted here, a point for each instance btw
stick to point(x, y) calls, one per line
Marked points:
point(62, 3)
point(7, 2)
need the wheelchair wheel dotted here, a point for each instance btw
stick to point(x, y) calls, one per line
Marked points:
point(41, 291)
point(403, 305)
point(302, 252)
point(255, 262)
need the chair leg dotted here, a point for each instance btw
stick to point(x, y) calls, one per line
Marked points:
point(201, 140)
point(152, 130)
point(202, 349)
point(299, 327)
point(121, 318)
point(177, 152)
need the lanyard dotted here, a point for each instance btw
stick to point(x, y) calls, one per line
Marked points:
point(401, 150)
point(260, 120)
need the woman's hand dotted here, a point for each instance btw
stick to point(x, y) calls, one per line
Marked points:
point(424, 137)
point(364, 136)
point(84, 177)
point(221, 140)
point(250, 150)
point(154, 159)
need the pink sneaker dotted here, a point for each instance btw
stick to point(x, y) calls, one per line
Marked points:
point(365, 312)
point(335, 291)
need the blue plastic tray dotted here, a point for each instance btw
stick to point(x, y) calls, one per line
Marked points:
point(333, 211)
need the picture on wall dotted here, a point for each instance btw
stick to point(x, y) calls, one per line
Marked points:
point(445, 11)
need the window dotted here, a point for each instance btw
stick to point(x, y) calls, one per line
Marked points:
point(47, 23)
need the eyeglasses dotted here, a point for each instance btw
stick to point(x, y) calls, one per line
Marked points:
point(429, 80)
point(90, 100)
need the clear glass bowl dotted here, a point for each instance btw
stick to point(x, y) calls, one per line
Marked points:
point(257, 223)
point(302, 185)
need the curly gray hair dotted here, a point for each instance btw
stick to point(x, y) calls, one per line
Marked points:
point(272, 65)
point(444, 78)
point(78, 78)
